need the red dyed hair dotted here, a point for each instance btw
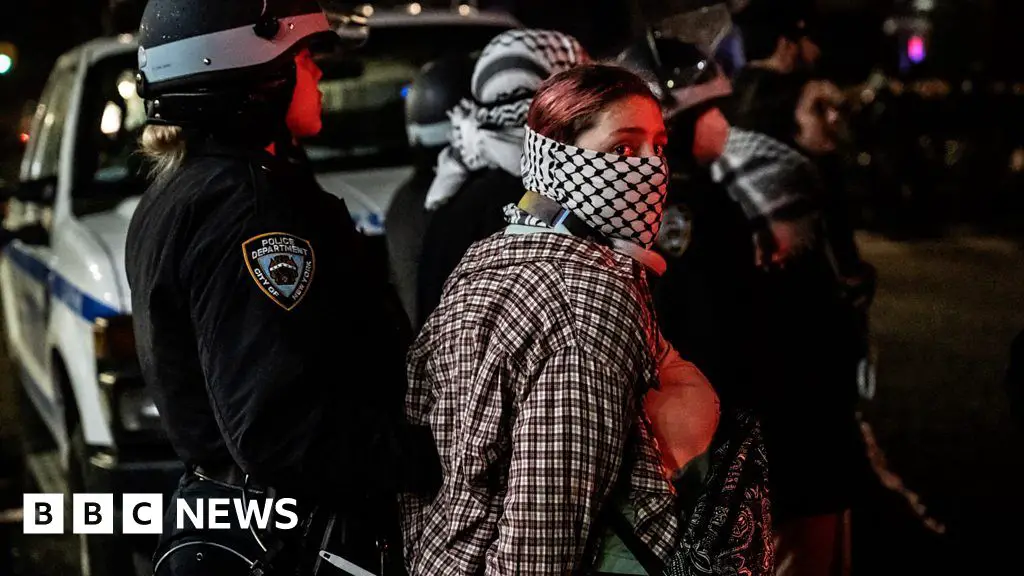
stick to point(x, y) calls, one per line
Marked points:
point(569, 103)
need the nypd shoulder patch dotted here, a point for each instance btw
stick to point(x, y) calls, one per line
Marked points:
point(676, 230)
point(282, 266)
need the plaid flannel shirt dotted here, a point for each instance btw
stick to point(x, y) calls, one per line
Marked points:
point(531, 375)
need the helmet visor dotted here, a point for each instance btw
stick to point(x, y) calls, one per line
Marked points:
point(700, 23)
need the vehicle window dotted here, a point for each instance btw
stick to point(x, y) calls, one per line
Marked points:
point(43, 158)
point(364, 118)
point(364, 91)
point(108, 166)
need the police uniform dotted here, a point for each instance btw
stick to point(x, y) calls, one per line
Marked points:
point(704, 298)
point(274, 350)
point(262, 337)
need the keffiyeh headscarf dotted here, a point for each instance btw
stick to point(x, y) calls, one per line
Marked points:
point(769, 180)
point(620, 197)
point(487, 132)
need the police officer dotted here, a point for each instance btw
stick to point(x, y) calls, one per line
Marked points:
point(273, 352)
point(727, 315)
point(438, 88)
point(703, 299)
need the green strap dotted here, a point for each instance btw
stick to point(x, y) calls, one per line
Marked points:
point(643, 554)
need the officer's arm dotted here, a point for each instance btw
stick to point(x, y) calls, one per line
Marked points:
point(257, 343)
point(567, 449)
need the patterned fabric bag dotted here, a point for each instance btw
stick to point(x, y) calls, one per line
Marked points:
point(729, 531)
point(727, 514)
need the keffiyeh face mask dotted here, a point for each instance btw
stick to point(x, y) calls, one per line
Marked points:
point(619, 196)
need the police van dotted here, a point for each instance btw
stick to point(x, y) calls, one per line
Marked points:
point(90, 423)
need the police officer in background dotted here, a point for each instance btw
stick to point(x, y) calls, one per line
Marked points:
point(782, 316)
point(244, 274)
point(438, 88)
point(704, 298)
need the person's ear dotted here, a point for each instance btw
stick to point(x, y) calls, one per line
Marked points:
point(710, 135)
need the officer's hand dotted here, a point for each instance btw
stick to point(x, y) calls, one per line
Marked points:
point(684, 411)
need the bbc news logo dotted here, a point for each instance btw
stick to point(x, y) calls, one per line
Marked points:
point(145, 514)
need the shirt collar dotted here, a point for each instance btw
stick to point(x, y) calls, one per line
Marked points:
point(648, 258)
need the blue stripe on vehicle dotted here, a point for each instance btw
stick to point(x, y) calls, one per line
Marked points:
point(61, 288)
point(30, 265)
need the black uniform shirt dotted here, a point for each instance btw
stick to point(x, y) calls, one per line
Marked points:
point(406, 226)
point(261, 334)
point(704, 300)
point(474, 213)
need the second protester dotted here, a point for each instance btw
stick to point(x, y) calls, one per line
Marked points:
point(479, 172)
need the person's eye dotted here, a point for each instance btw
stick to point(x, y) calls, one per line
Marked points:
point(659, 149)
point(624, 150)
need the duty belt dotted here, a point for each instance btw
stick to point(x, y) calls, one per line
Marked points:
point(230, 476)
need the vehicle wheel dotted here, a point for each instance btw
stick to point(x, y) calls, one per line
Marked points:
point(99, 554)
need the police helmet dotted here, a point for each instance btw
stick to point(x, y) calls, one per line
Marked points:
point(439, 87)
point(681, 74)
point(203, 61)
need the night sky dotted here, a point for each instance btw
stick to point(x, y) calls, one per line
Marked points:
point(975, 34)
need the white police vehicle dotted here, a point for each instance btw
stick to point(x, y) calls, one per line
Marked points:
point(363, 151)
point(66, 301)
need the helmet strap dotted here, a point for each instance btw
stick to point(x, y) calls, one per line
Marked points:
point(254, 115)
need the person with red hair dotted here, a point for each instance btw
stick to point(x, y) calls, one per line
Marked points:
point(542, 373)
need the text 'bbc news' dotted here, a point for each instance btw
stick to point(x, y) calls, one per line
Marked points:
point(145, 514)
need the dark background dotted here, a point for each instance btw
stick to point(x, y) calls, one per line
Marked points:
point(970, 36)
point(975, 39)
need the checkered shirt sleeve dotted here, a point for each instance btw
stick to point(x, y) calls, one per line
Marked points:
point(570, 433)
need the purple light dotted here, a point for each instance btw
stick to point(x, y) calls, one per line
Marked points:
point(915, 49)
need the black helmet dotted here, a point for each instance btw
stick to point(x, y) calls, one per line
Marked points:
point(675, 51)
point(203, 61)
point(679, 73)
point(439, 87)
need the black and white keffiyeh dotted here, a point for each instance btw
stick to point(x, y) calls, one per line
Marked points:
point(619, 196)
point(487, 131)
point(767, 178)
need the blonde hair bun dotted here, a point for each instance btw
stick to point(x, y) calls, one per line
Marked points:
point(165, 146)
